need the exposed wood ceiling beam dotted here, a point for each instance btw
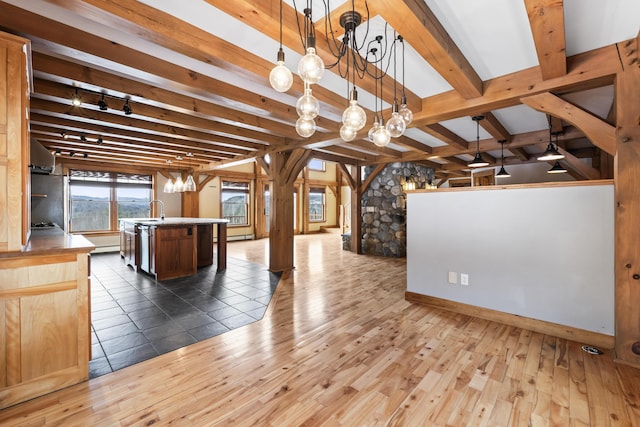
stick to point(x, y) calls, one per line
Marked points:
point(587, 70)
point(419, 26)
point(445, 135)
point(492, 125)
point(546, 18)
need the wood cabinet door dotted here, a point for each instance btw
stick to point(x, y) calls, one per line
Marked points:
point(44, 319)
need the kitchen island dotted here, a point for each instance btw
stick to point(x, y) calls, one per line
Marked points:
point(172, 247)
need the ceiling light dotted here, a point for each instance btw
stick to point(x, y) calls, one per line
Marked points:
point(83, 138)
point(350, 62)
point(72, 153)
point(178, 186)
point(502, 173)
point(168, 186)
point(63, 134)
point(58, 152)
point(280, 76)
point(99, 140)
point(478, 161)
point(557, 168)
point(102, 104)
point(551, 153)
point(76, 100)
point(190, 184)
point(127, 108)
point(85, 155)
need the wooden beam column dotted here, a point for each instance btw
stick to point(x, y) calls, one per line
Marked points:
point(627, 232)
point(356, 210)
point(284, 169)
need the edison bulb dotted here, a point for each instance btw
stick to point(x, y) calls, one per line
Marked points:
point(373, 129)
point(308, 106)
point(311, 67)
point(406, 114)
point(281, 77)
point(347, 133)
point(305, 127)
point(381, 137)
point(354, 116)
point(396, 125)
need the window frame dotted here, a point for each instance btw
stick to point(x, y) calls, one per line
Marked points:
point(113, 181)
point(317, 190)
point(238, 190)
point(322, 162)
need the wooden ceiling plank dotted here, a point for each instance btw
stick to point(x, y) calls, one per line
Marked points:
point(599, 132)
point(19, 19)
point(420, 27)
point(133, 137)
point(139, 90)
point(587, 70)
point(546, 18)
point(229, 145)
point(152, 113)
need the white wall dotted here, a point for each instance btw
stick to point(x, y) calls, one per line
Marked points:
point(544, 253)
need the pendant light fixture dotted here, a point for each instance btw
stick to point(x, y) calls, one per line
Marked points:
point(405, 112)
point(168, 186)
point(281, 77)
point(396, 125)
point(478, 161)
point(76, 100)
point(381, 137)
point(310, 67)
point(502, 173)
point(190, 184)
point(551, 153)
point(557, 168)
point(178, 186)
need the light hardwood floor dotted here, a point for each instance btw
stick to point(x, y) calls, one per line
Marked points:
point(339, 346)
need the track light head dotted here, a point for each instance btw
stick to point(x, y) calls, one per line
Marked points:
point(83, 138)
point(127, 108)
point(72, 153)
point(99, 140)
point(76, 100)
point(102, 104)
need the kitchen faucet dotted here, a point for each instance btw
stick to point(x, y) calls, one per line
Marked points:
point(161, 207)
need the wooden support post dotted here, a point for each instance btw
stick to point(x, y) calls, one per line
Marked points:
point(285, 168)
point(356, 210)
point(627, 232)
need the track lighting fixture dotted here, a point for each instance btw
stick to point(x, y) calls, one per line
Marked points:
point(478, 161)
point(76, 100)
point(502, 173)
point(72, 153)
point(85, 155)
point(58, 152)
point(99, 140)
point(64, 135)
point(83, 137)
point(127, 108)
point(102, 104)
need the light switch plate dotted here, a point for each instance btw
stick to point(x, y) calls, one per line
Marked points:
point(464, 279)
point(453, 277)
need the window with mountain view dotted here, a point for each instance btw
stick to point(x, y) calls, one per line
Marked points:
point(234, 199)
point(316, 204)
point(99, 199)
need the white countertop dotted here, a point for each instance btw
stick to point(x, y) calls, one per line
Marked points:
point(175, 221)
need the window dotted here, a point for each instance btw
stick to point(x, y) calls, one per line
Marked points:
point(316, 165)
point(316, 204)
point(235, 202)
point(99, 199)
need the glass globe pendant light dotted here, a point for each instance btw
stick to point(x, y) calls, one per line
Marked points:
point(381, 137)
point(280, 76)
point(347, 133)
point(168, 186)
point(178, 186)
point(307, 106)
point(190, 184)
point(396, 125)
point(310, 67)
point(404, 111)
point(374, 128)
point(354, 116)
point(305, 127)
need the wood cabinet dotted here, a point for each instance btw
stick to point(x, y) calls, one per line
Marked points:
point(15, 87)
point(45, 338)
point(129, 245)
point(205, 245)
point(173, 251)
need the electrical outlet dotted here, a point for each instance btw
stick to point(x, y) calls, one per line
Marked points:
point(453, 277)
point(464, 279)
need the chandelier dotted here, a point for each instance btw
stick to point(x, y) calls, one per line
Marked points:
point(351, 65)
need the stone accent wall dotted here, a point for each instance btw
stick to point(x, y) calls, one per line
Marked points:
point(384, 208)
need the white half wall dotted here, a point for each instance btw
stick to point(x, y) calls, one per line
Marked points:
point(544, 253)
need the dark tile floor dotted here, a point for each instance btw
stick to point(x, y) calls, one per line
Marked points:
point(135, 317)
